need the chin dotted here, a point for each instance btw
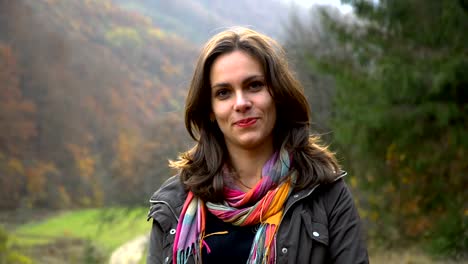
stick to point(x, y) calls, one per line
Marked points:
point(251, 143)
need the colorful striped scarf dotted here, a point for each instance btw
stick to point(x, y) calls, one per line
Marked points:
point(262, 205)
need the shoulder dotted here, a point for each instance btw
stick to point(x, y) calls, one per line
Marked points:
point(170, 191)
point(336, 194)
point(336, 185)
point(166, 203)
point(328, 193)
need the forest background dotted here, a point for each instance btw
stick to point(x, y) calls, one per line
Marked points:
point(92, 95)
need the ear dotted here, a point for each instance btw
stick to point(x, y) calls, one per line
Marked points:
point(212, 117)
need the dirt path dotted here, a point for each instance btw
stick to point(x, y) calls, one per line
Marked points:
point(130, 252)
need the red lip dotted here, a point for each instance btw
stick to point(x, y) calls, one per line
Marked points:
point(246, 122)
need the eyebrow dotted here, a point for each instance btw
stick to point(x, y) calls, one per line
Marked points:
point(246, 80)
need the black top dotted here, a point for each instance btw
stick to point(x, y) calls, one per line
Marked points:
point(233, 247)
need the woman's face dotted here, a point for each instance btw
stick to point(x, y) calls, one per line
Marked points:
point(240, 101)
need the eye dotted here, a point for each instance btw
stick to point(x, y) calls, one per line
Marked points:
point(256, 85)
point(222, 93)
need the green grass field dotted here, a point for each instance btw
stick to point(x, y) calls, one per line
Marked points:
point(108, 228)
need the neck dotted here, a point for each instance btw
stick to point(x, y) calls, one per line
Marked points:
point(248, 163)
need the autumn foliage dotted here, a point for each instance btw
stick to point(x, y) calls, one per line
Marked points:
point(90, 103)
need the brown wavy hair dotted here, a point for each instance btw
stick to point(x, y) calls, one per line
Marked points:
point(200, 167)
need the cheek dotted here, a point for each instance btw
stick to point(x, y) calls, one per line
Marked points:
point(220, 112)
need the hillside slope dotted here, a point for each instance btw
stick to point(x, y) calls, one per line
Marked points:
point(196, 20)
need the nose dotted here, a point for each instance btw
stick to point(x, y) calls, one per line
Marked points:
point(243, 103)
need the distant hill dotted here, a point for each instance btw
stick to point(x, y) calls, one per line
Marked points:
point(84, 87)
point(196, 20)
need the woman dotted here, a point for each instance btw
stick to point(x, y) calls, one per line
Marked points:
point(256, 188)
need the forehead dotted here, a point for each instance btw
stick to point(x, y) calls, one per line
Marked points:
point(233, 66)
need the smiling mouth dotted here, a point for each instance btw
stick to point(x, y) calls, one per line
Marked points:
point(246, 122)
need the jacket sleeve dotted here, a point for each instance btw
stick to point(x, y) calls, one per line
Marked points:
point(347, 244)
point(155, 247)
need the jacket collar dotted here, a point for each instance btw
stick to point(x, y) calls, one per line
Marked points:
point(294, 197)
